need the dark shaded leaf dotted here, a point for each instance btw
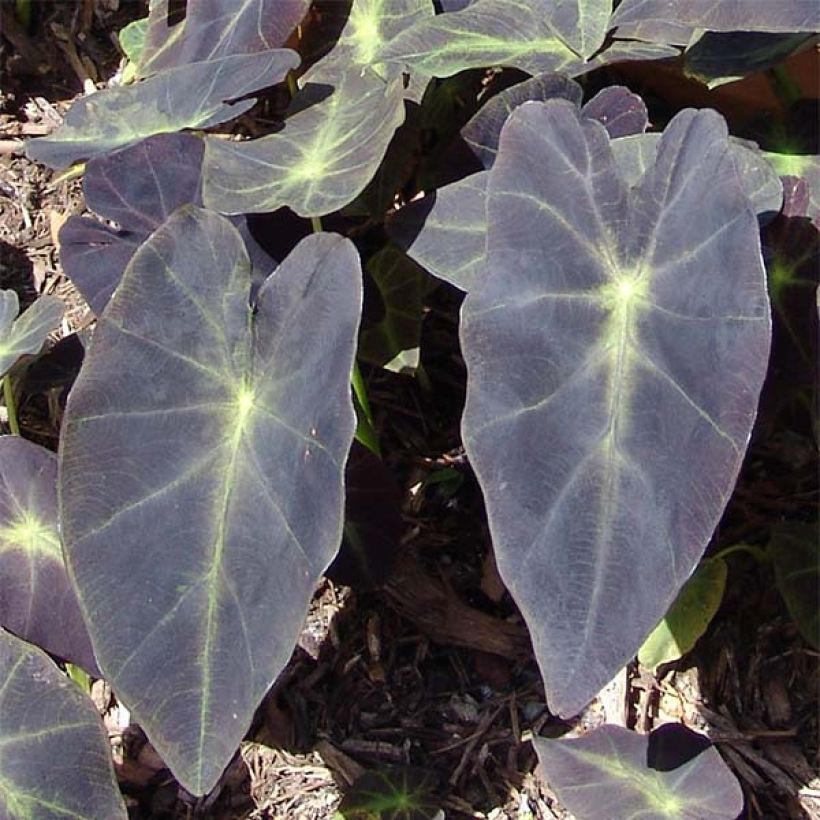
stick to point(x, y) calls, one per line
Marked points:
point(513, 33)
point(138, 187)
point(445, 232)
point(720, 15)
point(213, 29)
point(372, 522)
point(619, 110)
point(612, 772)
point(392, 794)
point(482, 132)
point(56, 760)
point(200, 512)
point(38, 602)
point(402, 285)
point(24, 335)
point(721, 57)
point(191, 96)
point(590, 420)
point(795, 552)
point(322, 159)
point(688, 618)
point(807, 168)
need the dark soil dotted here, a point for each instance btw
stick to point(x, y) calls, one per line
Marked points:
point(434, 668)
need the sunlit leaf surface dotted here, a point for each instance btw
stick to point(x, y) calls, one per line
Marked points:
point(201, 500)
point(38, 602)
point(321, 160)
point(614, 369)
point(612, 772)
point(55, 759)
point(25, 334)
point(196, 95)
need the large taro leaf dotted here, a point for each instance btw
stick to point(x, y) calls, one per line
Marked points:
point(615, 353)
point(38, 602)
point(582, 24)
point(24, 335)
point(213, 29)
point(138, 188)
point(55, 761)
point(717, 15)
point(612, 772)
point(201, 479)
point(319, 162)
point(514, 33)
point(196, 95)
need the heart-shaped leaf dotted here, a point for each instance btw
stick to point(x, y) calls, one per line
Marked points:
point(55, 761)
point(322, 159)
point(588, 333)
point(612, 772)
point(25, 334)
point(201, 502)
point(38, 602)
point(196, 95)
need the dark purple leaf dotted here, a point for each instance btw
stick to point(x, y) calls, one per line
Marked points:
point(612, 772)
point(372, 522)
point(619, 110)
point(590, 419)
point(138, 187)
point(213, 29)
point(201, 478)
point(392, 793)
point(196, 95)
point(56, 760)
point(38, 602)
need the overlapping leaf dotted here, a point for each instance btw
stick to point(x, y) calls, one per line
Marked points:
point(38, 602)
point(55, 760)
point(138, 188)
point(201, 502)
point(587, 337)
point(322, 159)
point(612, 772)
point(213, 29)
point(24, 335)
point(196, 95)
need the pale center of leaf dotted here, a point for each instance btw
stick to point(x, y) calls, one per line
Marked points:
point(244, 405)
point(365, 34)
point(310, 168)
point(31, 535)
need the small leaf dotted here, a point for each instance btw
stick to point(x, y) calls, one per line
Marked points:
point(322, 159)
point(191, 96)
point(38, 602)
point(392, 794)
point(794, 550)
point(612, 772)
point(56, 760)
point(619, 110)
point(26, 334)
point(198, 515)
point(688, 618)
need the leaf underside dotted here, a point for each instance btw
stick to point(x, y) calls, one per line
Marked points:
point(612, 772)
point(590, 418)
point(55, 759)
point(201, 503)
point(38, 602)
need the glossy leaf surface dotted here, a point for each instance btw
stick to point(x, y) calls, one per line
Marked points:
point(25, 334)
point(687, 619)
point(191, 96)
point(55, 759)
point(321, 160)
point(38, 602)
point(200, 504)
point(590, 420)
point(794, 551)
point(612, 772)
